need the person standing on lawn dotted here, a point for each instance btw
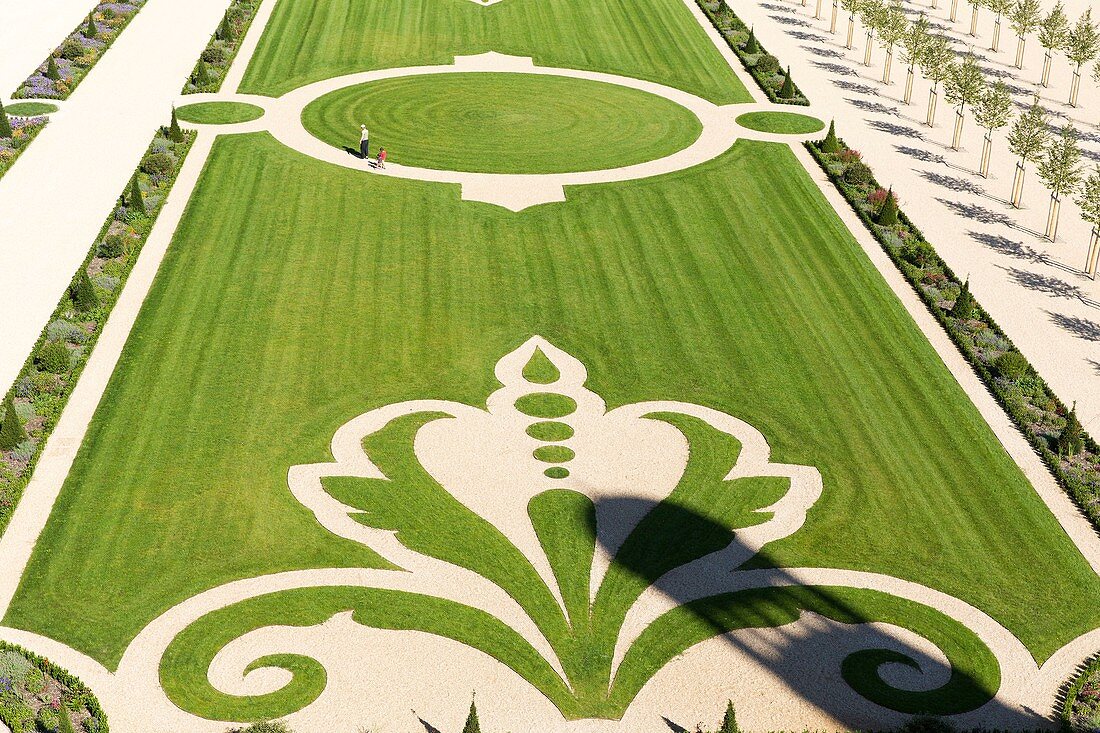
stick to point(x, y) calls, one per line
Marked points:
point(364, 142)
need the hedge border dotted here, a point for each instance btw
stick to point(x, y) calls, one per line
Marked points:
point(239, 41)
point(5, 167)
point(63, 676)
point(77, 80)
point(803, 101)
point(1073, 689)
point(18, 486)
point(1075, 493)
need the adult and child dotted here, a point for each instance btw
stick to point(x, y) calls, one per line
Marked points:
point(364, 148)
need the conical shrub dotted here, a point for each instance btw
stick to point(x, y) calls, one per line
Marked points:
point(472, 723)
point(175, 134)
point(11, 430)
point(5, 125)
point(1070, 441)
point(787, 90)
point(52, 72)
point(888, 214)
point(751, 46)
point(135, 200)
point(964, 304)
point(225, 29)
point(82, 292)
point(90, 29)
point(201, 77)
point(831, 145)
point(729, 720)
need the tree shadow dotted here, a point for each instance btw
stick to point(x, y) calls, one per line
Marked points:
point(790, 20)
point(877, 108)
point(813, 661)
point(1082, 328)
point(1046, 284)
point(925, 156)
point(829, 53)
point(983, 215)
point(856, 87)
point(803, 36)
point(1006, 246)
point(953, 183)
point(428, 727)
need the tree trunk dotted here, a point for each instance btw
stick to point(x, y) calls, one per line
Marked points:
point(817, 11)
point(887, 65)
point(1075, 87)
point(957, 137)
point(935, 3)
point(868, 46)
point(851, 31)
point(1052, 216)
point(987, 147)
point(954, 10)
point(974, 18)
point(909, 86)
point(832, 19)
point(1045, 80)
point(1094, 252)
point(930, 118)
point(1020, 41)
point(995, 47)
point(1018, 185)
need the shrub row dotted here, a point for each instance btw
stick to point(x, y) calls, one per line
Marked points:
point(1081, 708)
point(764, 68)
point(66, 67)
point(1052, 430)
point(218, 56)
point(36, 694)
point(54, 365)
point(23, 131)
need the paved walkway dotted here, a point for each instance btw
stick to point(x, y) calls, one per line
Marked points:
point(54, 200)
point(30, 31)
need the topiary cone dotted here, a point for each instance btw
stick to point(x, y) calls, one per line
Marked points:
point(202, 75)
point(11, 430)
point(175, 134)
point(82, 292)
point(751, 46)
point(888, 215)
point(787, 90)
point(729, 720)
point(52, 72)
point(830, 144)
point(5, 125)
point(472, 723)
point(90, 29)
point(136, 201)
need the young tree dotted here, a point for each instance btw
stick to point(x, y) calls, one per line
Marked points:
point(1088, 199)
point(872, 13)
point(853, 8)
point(473, 725)
point(1000, 8)
point(975, 6)
point(11, 430)
point(82, 292)
point(135, 201)
point(52, 72)
point(832, 18)
point(938, 64)
point(1053, 33)
point(787, 90)
point(1060, 170)
point(892, 29)
point(1070, 440)
point(992, 111)
point(1025, 17)
point(963, 87)
point(1081, 47)
point(1027, 139)
point(729, 720)
point(5, 124)
point(830, 144)
point(913, 43)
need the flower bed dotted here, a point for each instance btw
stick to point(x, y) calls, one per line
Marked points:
point(78, 53)
point(24, 130)
point(1081, 708)
point(50, 373)
point(765, 69)
point(1049, 426)
point(36, 694)
point(214, 63)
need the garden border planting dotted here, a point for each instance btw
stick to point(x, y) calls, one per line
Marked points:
point(67, 64)
point(1089, 672)
point(61, 675)
point(24, 131)
point(1051, 429)
point(44, 384)
point(225, 43)
point(772, 82)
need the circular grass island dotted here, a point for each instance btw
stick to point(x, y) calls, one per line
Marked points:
point(219, 113)
point(30, 109)
point(504, 122)
point(782, 123)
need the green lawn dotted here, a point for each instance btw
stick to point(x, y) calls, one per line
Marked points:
point(219, 113)
point(286, 306)
point(784, 123)
point(658, 40)
point(30, 109)
point(505, 123)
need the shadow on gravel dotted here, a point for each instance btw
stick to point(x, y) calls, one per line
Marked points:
point(1082, 328)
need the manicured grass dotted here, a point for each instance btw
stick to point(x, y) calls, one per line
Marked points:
point(30, 109)
point(784, 123)
point(219, 113)
point(286, 306)
point(505, 123)
point(659, 40)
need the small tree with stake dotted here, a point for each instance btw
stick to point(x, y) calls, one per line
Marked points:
point(891, 31)
point(11, 430)
point(913, 43)
point(853, 8)
point(872, 13)
point(1081, 46)
point(965, 86)
point(937, 61)
point(993, 111)
point(1061, 172)
point(1053, 33)
point(1025, 17)
point(1000, 8)
point(1027, 139)
point(1088, 199)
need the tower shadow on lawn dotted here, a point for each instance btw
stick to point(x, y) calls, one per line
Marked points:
point(816, 662)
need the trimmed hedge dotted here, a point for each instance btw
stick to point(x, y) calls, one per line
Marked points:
point(1074, 714)
point(218, 56)
point(24, 131)
point(1029, 402)
point(72, 684)
point(108, 264)
point(731, 28)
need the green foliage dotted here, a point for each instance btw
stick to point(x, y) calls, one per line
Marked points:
point(993, 109)
point(767, 65)
point(1061, 168)
point(175, 134)
point(82, 292)
point(966, 83)
point(5, 125)
point(53, 357)
point(52, 72)
point(48, 720)
point(857, 173)
point(888, 214)
point(1054, 30)
point(135, 201)
point(1012, 365)
point(225, 29)
point(89, 28)
point(1028, 137)
point(201, 75)
point(66, 723)
point(35, 680)
point(11, 435)
point(265, 726)
point(1025, 17)
point(1083, 40)
point(472, 723)
point(751, 46)
point(158, 164)
point(113, 245)
point(729, 720)
point(1088, 198)
point(964, 303)
point(787, 90)
point(830, 145)
point(1071, 440)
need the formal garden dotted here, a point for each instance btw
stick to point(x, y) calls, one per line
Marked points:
point(605, 438)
